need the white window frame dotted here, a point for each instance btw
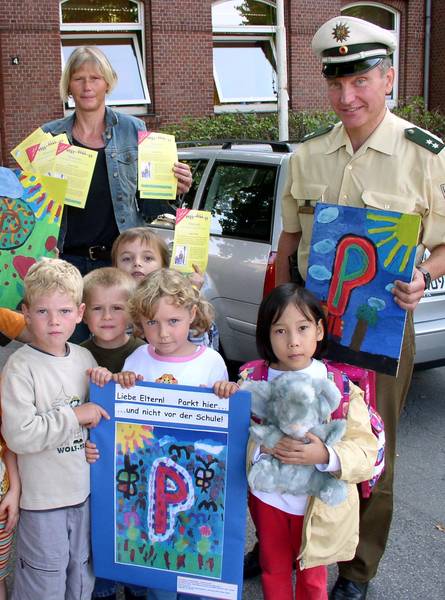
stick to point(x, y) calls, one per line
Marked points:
point(250, 33)
point(391, 102)
point(110, 31)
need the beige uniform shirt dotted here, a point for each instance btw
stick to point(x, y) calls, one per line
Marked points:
point(389, 172)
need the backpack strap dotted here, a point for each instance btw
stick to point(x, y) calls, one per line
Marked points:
point(255, 370)
point(341, 380)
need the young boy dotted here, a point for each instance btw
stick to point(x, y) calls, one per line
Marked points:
point(106, 292)
point(44, 415)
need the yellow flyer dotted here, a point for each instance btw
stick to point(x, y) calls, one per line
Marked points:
point(157, 154)
point(43, 160)
point(76, 165)
point(25, 152)
point(191, 242)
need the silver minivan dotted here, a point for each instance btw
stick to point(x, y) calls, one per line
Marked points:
point(241, 185)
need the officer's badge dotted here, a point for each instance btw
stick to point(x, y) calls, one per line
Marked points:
point(341, 32)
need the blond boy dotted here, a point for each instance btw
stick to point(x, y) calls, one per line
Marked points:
point(44, 415)
point(106, 292)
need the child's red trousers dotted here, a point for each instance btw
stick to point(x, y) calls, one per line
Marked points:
point(279, 535)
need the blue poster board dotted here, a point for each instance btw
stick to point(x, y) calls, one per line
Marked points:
point(169, 492)
point(356, 254)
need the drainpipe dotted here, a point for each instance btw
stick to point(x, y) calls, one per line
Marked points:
point(427, 50)
point(283, 96)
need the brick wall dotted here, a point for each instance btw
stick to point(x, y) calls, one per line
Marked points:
point(182, 59)
point(179, 59)
point(437, 57)
point(29, 94)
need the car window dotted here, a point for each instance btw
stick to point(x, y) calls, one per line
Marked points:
point(161, 213)
point(240, 198)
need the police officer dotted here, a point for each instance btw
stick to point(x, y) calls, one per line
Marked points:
point(370, 158)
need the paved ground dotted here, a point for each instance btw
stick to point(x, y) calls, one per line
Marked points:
point(413, 566)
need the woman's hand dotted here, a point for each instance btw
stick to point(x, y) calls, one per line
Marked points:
point(184, 176)
point(297, 452)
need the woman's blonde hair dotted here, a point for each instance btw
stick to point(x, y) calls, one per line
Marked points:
point(77, 59)
point(145, 236)
point(50, 275)
point(172, 284)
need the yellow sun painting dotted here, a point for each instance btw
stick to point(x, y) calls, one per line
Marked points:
point(402, 230)
point(133, 437)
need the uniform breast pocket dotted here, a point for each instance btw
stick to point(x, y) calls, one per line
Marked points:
point(383, 201)
point(307, 196)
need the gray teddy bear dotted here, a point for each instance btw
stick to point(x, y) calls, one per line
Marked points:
point(293, 404)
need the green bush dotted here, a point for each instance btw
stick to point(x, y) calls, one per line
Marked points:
point(265, 126)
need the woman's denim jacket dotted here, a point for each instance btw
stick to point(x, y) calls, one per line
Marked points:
point(121, 152)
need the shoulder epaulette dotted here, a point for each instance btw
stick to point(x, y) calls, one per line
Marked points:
point(317, 133)
point(424, 139)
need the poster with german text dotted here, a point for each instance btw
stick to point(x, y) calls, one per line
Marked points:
point(169, 490)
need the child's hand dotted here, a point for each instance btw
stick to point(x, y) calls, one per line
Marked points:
point(197, 278)
point(224, 389)
point(99, 375)
point(127, 379)
point(91, 452)
point(296, 452)
point(9, 506)
point(89, 414)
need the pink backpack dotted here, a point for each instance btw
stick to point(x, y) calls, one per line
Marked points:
point(341, 374)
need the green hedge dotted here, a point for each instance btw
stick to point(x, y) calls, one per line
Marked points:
point(265, 126)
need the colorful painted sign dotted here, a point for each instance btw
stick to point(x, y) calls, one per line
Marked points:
point(356, 255)
point(31, 209)
point(169, 491)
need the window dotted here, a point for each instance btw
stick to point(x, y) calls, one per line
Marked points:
point(116, 27)
point(244, 61)
point(387, 18)
point(240, 198)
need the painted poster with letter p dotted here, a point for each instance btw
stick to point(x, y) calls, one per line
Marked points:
point(169, 491)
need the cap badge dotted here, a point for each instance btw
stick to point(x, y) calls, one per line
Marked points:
point(341, 32)
point(343, 50)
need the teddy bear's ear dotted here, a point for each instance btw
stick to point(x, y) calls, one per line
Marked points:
point(261, 392)
point(328, 395)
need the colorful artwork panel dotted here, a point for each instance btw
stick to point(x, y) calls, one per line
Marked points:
point(356, 255)
point(30, 217)
point(169, 493)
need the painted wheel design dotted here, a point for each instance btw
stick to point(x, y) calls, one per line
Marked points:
point(17, 222)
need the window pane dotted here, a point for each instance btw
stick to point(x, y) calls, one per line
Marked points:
point(121, 54)
point(245, 71)
point(240, 199)
point(99, 11)
point(373, 14)
point(250, 12)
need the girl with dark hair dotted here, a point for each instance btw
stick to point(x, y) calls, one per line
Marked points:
point(291, 332)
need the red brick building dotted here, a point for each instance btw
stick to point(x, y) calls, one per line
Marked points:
point(191, 58)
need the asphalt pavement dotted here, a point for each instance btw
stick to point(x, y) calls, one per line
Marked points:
point(413, 567)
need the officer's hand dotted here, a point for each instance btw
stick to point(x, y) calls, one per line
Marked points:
point(407, 295)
